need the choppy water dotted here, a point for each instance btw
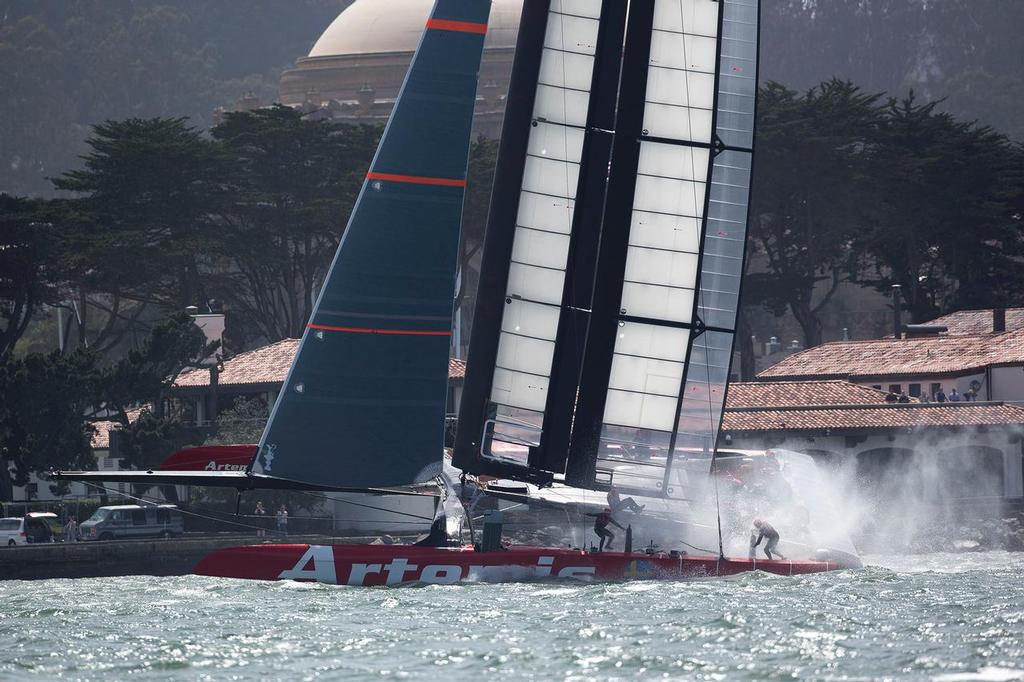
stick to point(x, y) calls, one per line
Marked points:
point(947, 617)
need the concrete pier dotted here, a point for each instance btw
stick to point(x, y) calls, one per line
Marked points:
point(175, 556)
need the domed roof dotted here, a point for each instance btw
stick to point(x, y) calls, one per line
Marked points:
point(375, 26)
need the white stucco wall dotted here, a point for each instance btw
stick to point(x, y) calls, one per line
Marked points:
point(920, 441)
point(1008, 384)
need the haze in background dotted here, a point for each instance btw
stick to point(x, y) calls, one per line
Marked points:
point(70, 64)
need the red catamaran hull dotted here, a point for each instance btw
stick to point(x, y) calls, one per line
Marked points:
point(366, 565)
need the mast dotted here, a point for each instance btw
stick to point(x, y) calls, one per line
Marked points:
point(552, 452)
point(500, 233)
point(611, 263)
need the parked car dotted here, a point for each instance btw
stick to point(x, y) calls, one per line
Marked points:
point(132, 521)
point(31, 528)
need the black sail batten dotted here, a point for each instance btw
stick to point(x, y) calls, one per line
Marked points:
point(577, 296)
point(611, 262)
point(498, 240)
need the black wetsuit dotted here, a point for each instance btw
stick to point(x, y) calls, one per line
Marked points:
point(767, 531)
point(618, 504)
point(601, 528)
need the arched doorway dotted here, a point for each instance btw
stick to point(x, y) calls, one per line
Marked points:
point(971, 472)
point(825, 459)
point(880, 469)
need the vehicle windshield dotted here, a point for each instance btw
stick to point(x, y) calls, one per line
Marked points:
point(99, 515)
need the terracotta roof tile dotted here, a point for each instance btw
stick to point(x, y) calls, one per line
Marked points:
point(965, 322)
point(265, 365)
point(873, 417)
point(927, 356)
point(764, 394)
point(268, 365)
point(101, 433)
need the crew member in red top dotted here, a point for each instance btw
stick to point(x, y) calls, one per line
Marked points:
point(601, 522)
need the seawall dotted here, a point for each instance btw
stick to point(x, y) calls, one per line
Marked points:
point(175, 556)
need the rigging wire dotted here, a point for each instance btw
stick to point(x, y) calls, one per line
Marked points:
point(210, 516)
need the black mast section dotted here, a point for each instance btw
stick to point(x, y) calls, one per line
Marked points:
point(498, 241)
point(567, 363)
point(611, 262)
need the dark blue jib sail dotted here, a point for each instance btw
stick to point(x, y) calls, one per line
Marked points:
point(363, 405)
point(602, 337)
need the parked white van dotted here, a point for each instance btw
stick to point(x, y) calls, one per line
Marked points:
point(31, 528)
point(133, 521)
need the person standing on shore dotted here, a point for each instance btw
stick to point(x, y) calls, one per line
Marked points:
point(71, 530)
point(261, 519)
point(282, 521)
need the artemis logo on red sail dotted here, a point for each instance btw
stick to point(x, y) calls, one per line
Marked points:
point(318, 564)
point(213, 465)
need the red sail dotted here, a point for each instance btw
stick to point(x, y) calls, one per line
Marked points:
point(211, 458)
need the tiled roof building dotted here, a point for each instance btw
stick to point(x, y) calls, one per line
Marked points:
point(965, 322)
point(268, 366)
point(829, 401)
point(257, 373)
point(761, 394)
point(929, 356)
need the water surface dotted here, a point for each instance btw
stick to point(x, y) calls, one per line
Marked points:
point(940, 616)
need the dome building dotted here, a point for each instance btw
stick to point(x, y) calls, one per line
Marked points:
point(355, 69)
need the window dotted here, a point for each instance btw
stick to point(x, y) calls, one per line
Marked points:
point(10, 524)
point(895, 388)
point(915, 390)
point(121, 516)
point(877, 386)
point(139, 517)
point(163, 517)
point(936, 388)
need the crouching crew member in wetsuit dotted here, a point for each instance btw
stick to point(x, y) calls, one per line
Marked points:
point(601, 522)
point(617, 503)
point(765, 531)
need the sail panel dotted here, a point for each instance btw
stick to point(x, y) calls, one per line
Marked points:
point(684, 258)
point(703, 397)
point(680, 87)
point(737, 74)
point(551, 178)
point(725, 242)
point(641, 320)
point(363, 404)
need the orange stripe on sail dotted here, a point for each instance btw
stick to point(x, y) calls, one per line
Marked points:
point(416, 179)
point(460, 26)
point(367, 330)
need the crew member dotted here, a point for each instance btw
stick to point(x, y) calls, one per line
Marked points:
point(601, 522)
point(617, 504)
point(765, 531)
